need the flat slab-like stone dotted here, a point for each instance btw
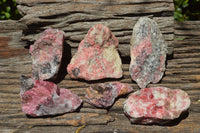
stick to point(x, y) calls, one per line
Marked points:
point(156, 105)
point(45, 98)
point(46, 54)
point(97, 56)
point(103, 95)
point(148, 53)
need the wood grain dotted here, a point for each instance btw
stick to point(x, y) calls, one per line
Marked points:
point(187, 45)
point(10, 42)
point(182, 70)
point(182, 73)
point(75, 17)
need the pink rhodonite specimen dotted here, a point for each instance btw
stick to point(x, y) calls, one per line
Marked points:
point(97, 56)
point(103, 95)
point(148, 53)
point(156, 105)
point(45, 98)
point(46, 54)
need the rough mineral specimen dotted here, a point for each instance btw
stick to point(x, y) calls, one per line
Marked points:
point(45, 98)
point(103, 95)
point(97, 56)
point(26, 84)
point(46, 54)
point(156, 105)
point(148, 53)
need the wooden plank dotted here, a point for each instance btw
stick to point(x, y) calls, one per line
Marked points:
point(187, 25)
point(9, 96)
point(76, 17)
point(187, 55)
point(10, 42)
point(182, 72)
point(188, 32)
point(34, 2)
point(188, 44)
point(10, 26)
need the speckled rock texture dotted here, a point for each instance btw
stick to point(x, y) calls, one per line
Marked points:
point(46, 54)
point(45, 98)
point(103, 95)
point(148, 53)
point(97, 56)
point(156, 105)
point(26, 84)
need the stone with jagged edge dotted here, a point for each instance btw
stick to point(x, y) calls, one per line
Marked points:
point(46, 54)
point(97, 56)
point(46, 98)
point(156, 105)
point(103, 95)
point(148, 53)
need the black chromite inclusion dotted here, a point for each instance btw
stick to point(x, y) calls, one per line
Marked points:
point(76, 71)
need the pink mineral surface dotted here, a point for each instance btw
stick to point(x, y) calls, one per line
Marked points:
point(156, 105)
point(148, 53)
point(45, 98)
point(103, 95)
point(97, 56)
point(46, 54)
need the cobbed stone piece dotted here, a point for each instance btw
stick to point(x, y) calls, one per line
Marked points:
point(103, 95)
point(97, 56)
point(46, 54)
point(26, 84)
point(148, 53)
point(45, 98)
point(156, 105)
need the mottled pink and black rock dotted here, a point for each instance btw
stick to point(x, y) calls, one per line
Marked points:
point(45, 98)
point(97, 56)
point(103, 95)
point(148, 53)
point(46, 54)
point(156, 105)
point(26, 84)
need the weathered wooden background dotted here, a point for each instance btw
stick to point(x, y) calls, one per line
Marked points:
point(75, 18)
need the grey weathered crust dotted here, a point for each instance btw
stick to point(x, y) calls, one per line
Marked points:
point(150, 61)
